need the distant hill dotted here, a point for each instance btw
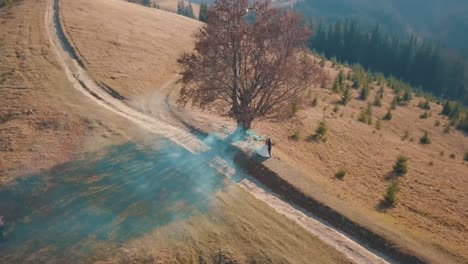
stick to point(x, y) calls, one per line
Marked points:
point(444, 21)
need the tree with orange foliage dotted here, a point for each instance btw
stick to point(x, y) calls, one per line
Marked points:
point(249, 61)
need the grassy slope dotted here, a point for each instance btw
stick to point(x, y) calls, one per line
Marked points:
point(432, 210)
point(42, 117)
point(138, 46)
point(133, 53)
point(139, 54)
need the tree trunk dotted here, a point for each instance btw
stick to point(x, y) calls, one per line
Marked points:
point(244, 122)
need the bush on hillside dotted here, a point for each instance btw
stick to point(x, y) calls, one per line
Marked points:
point(322, 129)
point(390, 196)
point(401, 166)
point(377, 101)
point(336, 108)
point(424, 115)
point(452, 110)
point(364, 93)
point(345, 96)
point(366, 115)
point(381, 92)
point(463, 124)
point(296, 136)
point(388, 116)
point(341, 173)
point(378, 125)
point(314, 102)
point(425, 139)
point(425, 105)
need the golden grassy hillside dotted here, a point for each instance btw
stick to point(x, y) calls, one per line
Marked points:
point(432, 202)
point(134, 50)
point(43, 120)
point(129, 47)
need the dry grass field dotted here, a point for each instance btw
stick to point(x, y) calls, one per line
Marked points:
point(133, 53)
point(432, 207)
point(133, 49)
point(431, 212)
point(432, 202)
point(44, 122)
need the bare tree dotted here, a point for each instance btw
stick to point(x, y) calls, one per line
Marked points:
point(250, 58)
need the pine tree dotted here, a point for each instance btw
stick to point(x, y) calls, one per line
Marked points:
point(336, 88)
point(203, 12)
point(388, 116)
point(189, 10)
point(425, 139)
point(381, 92)
point(321, 130)
point(346, 96)
point(401, 165)
point(366, 114)
point(365, 91)
point(181, 7)
point(377, 101)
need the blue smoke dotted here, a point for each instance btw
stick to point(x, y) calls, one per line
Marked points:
point(127, 192)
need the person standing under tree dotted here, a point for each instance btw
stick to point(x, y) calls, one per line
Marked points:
point(268, 142)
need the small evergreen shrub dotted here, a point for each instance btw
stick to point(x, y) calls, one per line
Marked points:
point(381, 92)
point(453, 156)
point(425, 139)
point(424, 115)
point(336, 109)
point(377, 101)
point(401, 166)
point(390, 196)
point(366, 115)
point(364, 93)
point(322, 129)
point(437, 123)
point(425, 105)
point(341, 173)
point(465, 156)
point(388, 116)
point(378, 125)
point(296, 136)
point(345, 96)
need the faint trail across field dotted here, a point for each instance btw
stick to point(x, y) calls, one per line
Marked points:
point(161, 123)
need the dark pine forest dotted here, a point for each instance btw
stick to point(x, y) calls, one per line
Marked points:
point(431, 56)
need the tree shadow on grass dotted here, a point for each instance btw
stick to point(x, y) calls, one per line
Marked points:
point(383, 206)
point(129, 191)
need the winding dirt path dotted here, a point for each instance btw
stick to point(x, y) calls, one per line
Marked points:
point(161, 123)
point(81, 81)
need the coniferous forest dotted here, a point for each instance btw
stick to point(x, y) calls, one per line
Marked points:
point(422, 64)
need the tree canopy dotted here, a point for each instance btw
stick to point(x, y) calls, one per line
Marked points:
point(249, 60)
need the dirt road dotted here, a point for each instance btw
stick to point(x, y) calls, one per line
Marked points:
point(163, 125)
